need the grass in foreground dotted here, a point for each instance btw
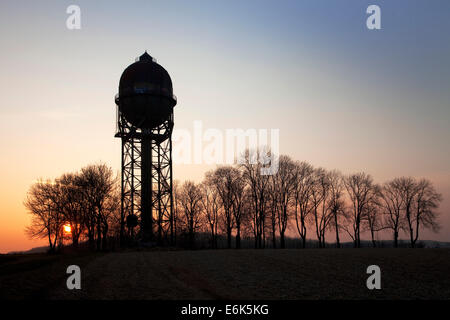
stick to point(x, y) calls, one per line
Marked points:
point(230, 274)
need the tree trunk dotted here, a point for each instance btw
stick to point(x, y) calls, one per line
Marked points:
point(372, 233)
point(75, 237)
point(303, 232)
point(395, 239)
point(50, 244)
point(105, 240)
point(263, 240)
point(274, 237)
point(238, 237)
point(274, 230)
point(99, 234)
point(417, 232)
point(358, 243)
point(282, 241)
point(338, 243)
point(212, 237)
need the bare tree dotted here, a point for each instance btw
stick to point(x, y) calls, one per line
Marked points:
point(211, 206)
point(423, 210)
point(284, 182)
point(259, 193)
point(238, 197)
point(114, 214)
point(304, 184)
point(223, 180)
point(359, 189)
point(393, 204)
point(273, 199)
point(319, 196)
point(43, 203)
point(247, 226)
point(98, 183)
point(373, 220)
point(72, 203)
point(191, 203)
point(336, 203)
point(408, 190)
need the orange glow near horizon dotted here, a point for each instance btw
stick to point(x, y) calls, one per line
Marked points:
point(67, 228)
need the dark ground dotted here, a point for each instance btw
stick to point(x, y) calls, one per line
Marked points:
point(230, 274)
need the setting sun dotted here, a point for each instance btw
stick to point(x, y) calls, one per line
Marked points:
point(67, 228)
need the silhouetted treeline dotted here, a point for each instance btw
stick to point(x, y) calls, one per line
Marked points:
point(203, 241)
point(88, 201)
point(239, 203)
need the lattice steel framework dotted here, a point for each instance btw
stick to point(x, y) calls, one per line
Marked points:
point(147, 178)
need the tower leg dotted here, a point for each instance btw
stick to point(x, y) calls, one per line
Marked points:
point(146, 191)
point(162, 182)
point(147, 180)
point(122, 194)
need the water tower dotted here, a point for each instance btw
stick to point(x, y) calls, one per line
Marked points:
point(144, 123)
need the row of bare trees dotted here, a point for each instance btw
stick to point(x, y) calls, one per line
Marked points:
point(87, 202)
point(237, 201)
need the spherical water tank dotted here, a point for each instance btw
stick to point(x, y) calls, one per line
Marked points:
point(145, 93)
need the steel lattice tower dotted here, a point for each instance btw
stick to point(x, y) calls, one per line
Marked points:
point(144, 124)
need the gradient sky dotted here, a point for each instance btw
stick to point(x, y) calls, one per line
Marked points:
point(342, 96)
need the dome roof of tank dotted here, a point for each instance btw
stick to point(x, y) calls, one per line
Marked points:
point(145, 75)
